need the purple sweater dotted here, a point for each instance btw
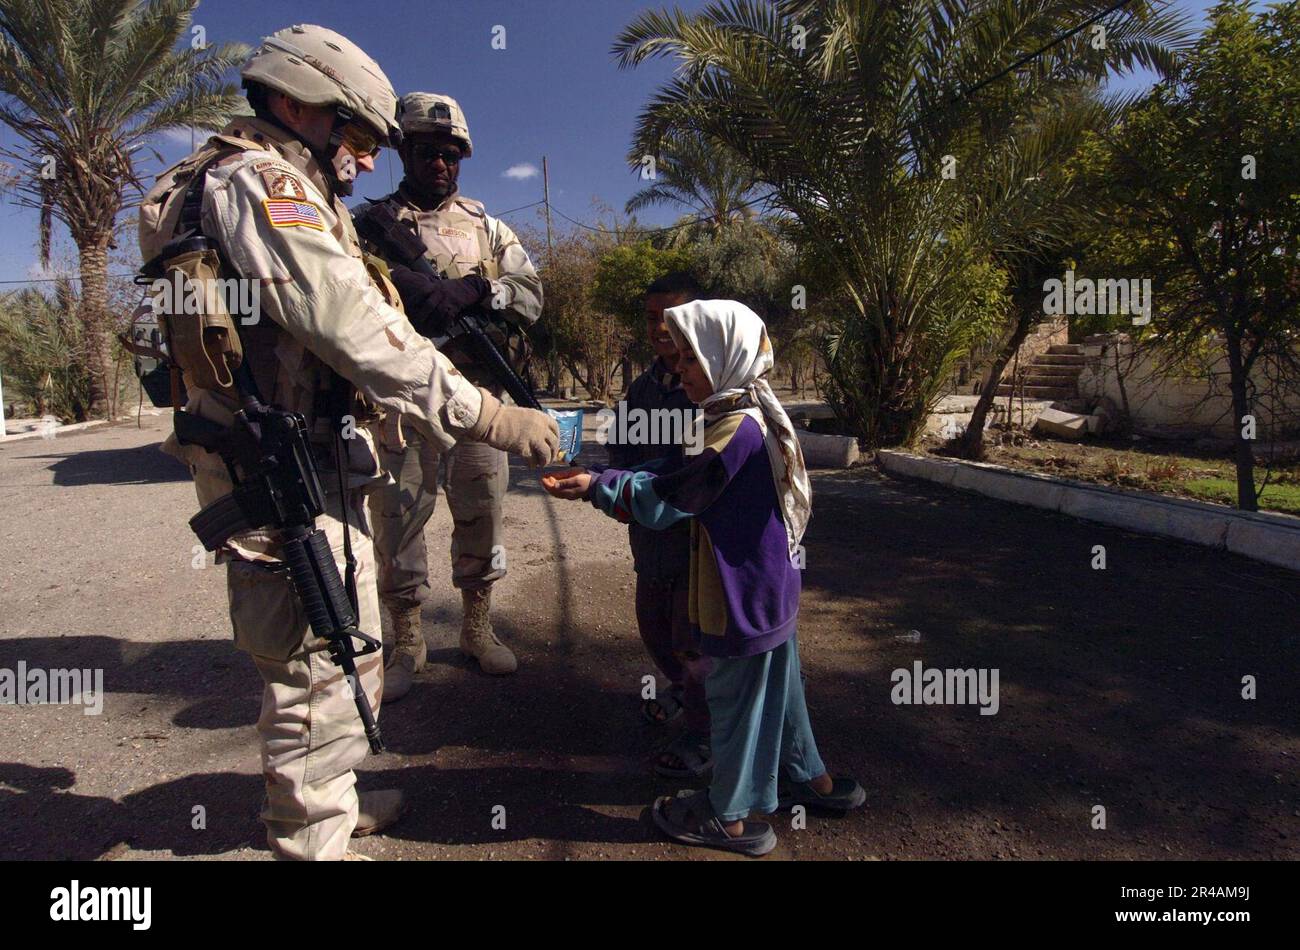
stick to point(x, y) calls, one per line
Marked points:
point(744, 590)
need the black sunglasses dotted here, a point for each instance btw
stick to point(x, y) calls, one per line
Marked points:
point(424, 152)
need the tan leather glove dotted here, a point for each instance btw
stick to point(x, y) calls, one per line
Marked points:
point(526, 432)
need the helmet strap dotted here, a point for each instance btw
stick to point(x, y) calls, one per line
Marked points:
point(340, 163)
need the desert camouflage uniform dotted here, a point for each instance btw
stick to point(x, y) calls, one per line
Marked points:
point(462, 239)
point(322, 306)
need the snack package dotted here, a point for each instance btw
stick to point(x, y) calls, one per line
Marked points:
point(570, 423)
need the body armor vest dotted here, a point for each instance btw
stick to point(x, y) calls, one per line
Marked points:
point(285, 373)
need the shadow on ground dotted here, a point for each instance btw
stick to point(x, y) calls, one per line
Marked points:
point(140, 465)
point(1119, 688)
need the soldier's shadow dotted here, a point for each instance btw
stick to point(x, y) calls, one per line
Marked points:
point(139, 465)
point(514, 803)
point(201, 814)
point(221, 682)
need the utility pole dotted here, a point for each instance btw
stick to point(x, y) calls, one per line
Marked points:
point(546, 199)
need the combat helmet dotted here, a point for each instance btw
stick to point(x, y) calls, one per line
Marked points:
point(433, 112)
point(319, 67)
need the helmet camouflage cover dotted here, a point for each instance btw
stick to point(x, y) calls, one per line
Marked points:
point(319, 67)
point(432, 112)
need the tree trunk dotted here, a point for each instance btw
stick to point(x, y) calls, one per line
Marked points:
point(971, 445)
point(1123, 387)
point(1246, 500)
point(94, 316)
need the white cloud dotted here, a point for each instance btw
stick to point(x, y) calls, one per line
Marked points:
point(521, 172)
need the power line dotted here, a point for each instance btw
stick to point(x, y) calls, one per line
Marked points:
point(1037, 53)
point(55, 280)
point(534, 204)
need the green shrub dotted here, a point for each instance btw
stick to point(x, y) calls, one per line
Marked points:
point(42, 353)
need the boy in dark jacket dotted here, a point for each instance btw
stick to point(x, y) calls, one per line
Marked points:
point(662, 558)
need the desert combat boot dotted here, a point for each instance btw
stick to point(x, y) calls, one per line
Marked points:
point(477, 638)
point(409, 653)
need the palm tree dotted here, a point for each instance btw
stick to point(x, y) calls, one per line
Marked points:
point(86, 84)
point(701, 176)
point(870, 123)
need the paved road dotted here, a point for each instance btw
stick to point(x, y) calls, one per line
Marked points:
point(1118, 688)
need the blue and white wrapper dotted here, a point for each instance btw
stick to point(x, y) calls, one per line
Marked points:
point(570, 423)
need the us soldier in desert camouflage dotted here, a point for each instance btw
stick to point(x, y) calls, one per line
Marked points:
point(485, 270)
point(328, 323)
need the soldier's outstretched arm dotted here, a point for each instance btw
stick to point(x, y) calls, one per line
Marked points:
point(312, 287)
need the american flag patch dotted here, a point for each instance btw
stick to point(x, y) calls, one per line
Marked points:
point(288, 213)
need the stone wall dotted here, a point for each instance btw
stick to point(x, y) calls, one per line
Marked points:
point(1165, 405)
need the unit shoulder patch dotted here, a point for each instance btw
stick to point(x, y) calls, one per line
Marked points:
point(280, 180)
point(272, 164)
point(290, 213)
point(284, 185)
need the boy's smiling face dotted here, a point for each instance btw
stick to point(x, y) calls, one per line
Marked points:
point(694, 380)
point(657, 331)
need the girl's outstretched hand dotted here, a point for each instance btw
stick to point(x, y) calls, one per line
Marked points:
point(570, 485)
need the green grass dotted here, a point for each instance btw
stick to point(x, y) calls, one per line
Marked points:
point(1284, 498)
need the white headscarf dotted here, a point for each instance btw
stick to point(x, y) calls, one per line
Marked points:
point(731, 344)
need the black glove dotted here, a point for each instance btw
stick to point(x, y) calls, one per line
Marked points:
point(432, 303)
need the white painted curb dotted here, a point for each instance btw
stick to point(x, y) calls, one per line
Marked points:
point(52, 433)
point(57, 431)
point(1272, 538)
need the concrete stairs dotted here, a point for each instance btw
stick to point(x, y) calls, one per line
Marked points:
point(1051, 375)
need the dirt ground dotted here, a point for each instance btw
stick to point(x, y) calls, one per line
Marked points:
point(1119, 687)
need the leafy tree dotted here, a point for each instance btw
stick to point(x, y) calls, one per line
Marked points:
point(40, 345)
point(86, 84)
point(1065, 215)
point(590, 341)
point(622, 274)
point(625, 270)
point(1206, 168)
point(851, 113)
point(703, 176)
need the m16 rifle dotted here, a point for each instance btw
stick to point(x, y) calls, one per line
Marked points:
point(276, 486)
point(381, 227)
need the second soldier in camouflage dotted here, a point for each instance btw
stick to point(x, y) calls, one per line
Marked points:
point(486, 270)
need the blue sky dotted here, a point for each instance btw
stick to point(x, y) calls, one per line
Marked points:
point(554, 90)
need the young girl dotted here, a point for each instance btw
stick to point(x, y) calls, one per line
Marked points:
point(748, 497)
